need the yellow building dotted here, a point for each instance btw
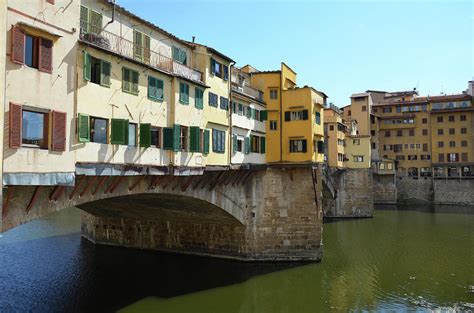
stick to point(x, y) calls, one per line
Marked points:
point(426, 136)
point(294, 129)
point(335, 137)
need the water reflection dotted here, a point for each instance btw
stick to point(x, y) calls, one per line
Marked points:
point(398, 260)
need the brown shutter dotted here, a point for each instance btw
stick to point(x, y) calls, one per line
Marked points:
point(59, 131)
point(15, 125)
point(45, 55)
point(45, 144)
point(18, 45)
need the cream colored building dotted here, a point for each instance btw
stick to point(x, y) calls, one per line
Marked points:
point(248, 120)
point(40, 91)
point(335, 137)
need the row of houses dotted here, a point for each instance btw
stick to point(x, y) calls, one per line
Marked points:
point(404, 134)
point(91, 88)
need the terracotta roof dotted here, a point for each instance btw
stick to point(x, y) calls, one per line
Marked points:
point(442, 98)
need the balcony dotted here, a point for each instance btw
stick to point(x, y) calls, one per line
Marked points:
point(111, 42)
point(249, 91)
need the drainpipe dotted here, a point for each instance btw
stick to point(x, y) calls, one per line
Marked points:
point(231, 133)
point(113, 14)
point(281, 115)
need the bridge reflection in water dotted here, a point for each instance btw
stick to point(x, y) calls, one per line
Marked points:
point(401, 260)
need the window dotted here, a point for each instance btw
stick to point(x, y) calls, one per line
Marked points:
point(399, 133)
point(224, 103)
point(440, 131)
point(464, 130)
point(156, 137)
point(273, 125)
point(219, 69)
point(440, 119)
point(218, 141)
point(387, 133)
point(425, 132)
point(462, 117)
point(440, 144)
point(99, 127)
point(331, 127)
point(132, 135)
point(141, 46)
point(412, 157)
point(183, 138)
point(240, 145)
point(213, 99)
point(34, 129)
point(273, 94)
point(389, 166)
point(155, 88)
point(399, 109)
point(356, 142)
point(411, 132)
point(179, 55)
point(381, 166)
point(452, 131)
point(130, 81)
point(425, 147)
point(386, 110)
point(400, 158)
point(451, 118)
point(463, 157)
point(364, 108)
point(441, 157)
point(424, 120)
point(453, 157)
point(372, 132)
point(318, 118)
point(32, 51)
point(183, 93)
point(296, 115)
point(91, 21)
point(358, 158)
point(452, 144)
point(96, 71)
point(298, 145)
point(254, 144)
point(349, 113)
point(464, 143)
point(425, 157)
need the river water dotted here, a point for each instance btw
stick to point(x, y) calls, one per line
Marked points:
point(402, 260)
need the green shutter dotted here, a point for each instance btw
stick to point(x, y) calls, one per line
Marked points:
point(126, 79)
point(194, 139)
point(263, 115)
point(151, 87)
point(105, 73)
point(205, 146)
point(198, 98)
point(251, 143)
point(83, 127)
point(87, 66)
point(176, 137)
point(119, 132)
point(168, 138)
point(234, 143)
point(135, 76)
point(305, 114)
point(159, 89)
point(183, 93)
point(262, 144)
point(213, 66)
point(247, 145)
point(145, 135)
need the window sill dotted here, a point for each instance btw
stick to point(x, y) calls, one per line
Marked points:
point(183, 103)
point(130, 92)
point(155, 99)
point(25, 145)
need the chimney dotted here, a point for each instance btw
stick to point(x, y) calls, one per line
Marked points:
point(194, 38)
point(470, 88)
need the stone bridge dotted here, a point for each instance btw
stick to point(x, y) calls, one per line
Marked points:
point(270, 213)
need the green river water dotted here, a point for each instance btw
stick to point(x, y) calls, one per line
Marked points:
point(411, 259)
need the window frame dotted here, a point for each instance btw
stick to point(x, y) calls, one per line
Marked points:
point(92, 129)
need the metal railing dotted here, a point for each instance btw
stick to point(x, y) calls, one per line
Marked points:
point(249, 91)
point(114, 43)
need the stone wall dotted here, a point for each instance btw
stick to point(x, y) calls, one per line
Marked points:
point(453, 191)
point(414, 190)
point(354, 196)
point(282, 220)
point(385, 189)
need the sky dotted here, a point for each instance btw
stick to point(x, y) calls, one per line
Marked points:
point(338, 47)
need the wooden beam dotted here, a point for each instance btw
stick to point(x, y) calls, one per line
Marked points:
point(117, 184)
point(185, 186)
point(53, 193)
point(210, 179)
point(154, 181)
point(239, 177)
point(199, 181)
point(89, 184)
point(231, 175)
point(76, 187)
point(101, 182)
point(216, 181)
point(246, 179)
point(167, 182)
point(7, 200)
point(136, 183)
point(33, 199)
point(115, 180)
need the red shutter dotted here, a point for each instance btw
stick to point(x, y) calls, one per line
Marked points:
point(18, 45)
point(45, 55)
point(15, 125)
point(59, 131)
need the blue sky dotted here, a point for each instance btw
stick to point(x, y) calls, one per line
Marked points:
point(339, 47)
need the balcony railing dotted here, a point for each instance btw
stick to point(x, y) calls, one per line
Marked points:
point(249, 91)
point(124, 47)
